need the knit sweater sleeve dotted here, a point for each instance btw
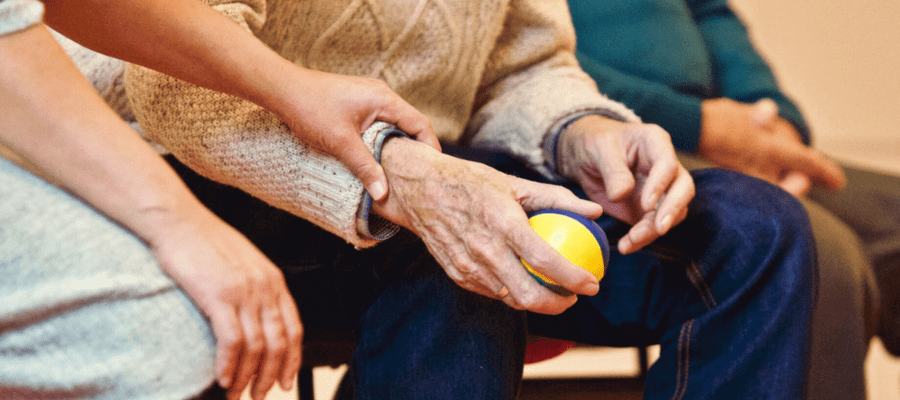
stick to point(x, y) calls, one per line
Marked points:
point(533, 86)
point(16, 15)
point(235, 142)
point(739, 70)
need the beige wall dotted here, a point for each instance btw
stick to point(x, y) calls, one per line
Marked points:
point(840, 60)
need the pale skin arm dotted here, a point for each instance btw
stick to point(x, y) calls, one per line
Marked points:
point(631, 169)
point(53, 118)
point(193, 42)
point(752, 139)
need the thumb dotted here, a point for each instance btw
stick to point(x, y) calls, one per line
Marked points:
point(764, 113)
point(535, 196)
point(356, 157)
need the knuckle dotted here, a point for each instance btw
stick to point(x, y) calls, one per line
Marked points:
point(364, 171)
point(255, 344)
point(457, 277)
point(278, 346)
point(275, 278)
point(259, 279)
point(232, 343)
point(468, 273)
point(233, 290)
point(529, 303)
point(294, 337)
point(506, 220)
point(560, 191)
point(426, 123)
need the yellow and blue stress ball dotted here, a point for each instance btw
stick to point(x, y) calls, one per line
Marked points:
point(577, 238)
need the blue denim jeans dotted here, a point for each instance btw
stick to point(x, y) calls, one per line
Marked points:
point(727, 293)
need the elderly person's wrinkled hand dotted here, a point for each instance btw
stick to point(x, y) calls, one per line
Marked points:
point(631, 170)
point(473, 220)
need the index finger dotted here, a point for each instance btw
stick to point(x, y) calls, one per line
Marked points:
point(229, 340)
point(294, 340)
point(409, 120)
point(550, 263)
point(675, 201)
point(657, 153)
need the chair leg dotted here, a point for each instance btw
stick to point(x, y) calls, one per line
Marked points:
point(305, 383)
point(644, 362)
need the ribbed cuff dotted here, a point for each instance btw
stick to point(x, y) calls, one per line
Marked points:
point(368, 225)
point(551, 140)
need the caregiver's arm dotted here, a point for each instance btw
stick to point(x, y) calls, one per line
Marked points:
point(51, 116)
point(193, 42)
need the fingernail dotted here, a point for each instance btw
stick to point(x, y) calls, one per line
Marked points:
point(665, 224)
point(377, 190)
point(287, 384)
point(639, 231)
point(224, 382)
point(624, 246)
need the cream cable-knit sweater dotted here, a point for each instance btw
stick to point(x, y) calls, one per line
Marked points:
point(490, 73)
point(16, 15)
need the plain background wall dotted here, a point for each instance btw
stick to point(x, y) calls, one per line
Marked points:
point(840, 61)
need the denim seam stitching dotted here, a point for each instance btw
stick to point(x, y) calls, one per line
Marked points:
point(693, 273)
point(684, 347)
point(700, 284)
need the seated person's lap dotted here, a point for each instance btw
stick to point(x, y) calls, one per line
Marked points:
point(84, 309)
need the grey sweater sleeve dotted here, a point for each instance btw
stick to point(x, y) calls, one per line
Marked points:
point(16, 15)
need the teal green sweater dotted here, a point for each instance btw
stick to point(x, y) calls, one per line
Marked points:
point(663, 57)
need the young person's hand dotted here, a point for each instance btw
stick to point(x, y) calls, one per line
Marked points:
point(473, 220)
point(330, 112)
point(631, 170)
point(259, 336)
point(752, 139)
point(55, 120)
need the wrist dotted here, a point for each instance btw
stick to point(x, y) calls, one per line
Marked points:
point(158, 223)
point(412, 168)
point(277, 87)
point(369, 225)
point(570, 144)
point(710, 124)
